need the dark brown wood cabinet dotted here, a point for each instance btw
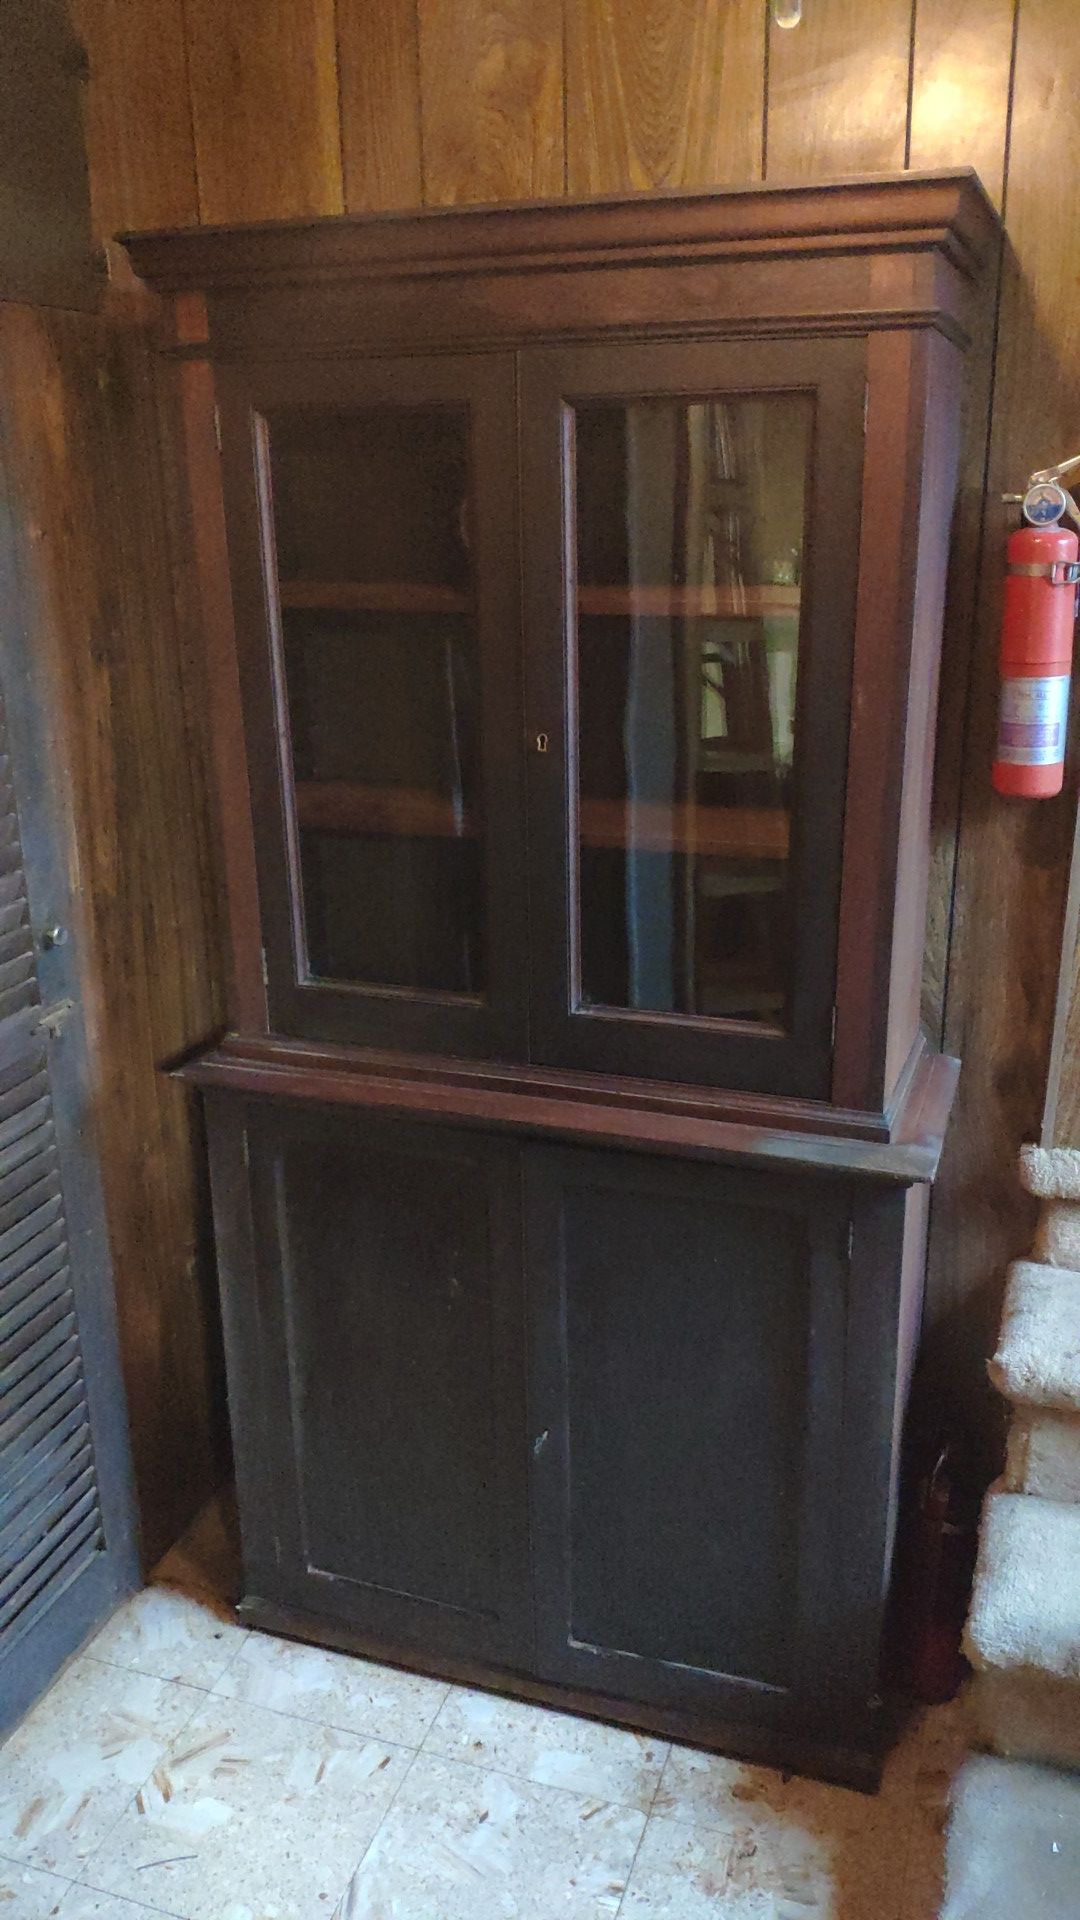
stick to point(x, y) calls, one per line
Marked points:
point(573, 581)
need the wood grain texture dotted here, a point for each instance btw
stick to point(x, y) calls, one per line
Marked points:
point(491, 99)
point(264, 97)
point(204, 603)
point(80, 434)
point(47, 253)
point(1012, 857)
point(378, 73)
point(960, 78)
point(138, 115)
point(663, 93)
point(837, 92)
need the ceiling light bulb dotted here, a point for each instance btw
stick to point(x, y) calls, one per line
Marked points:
point(787, 13)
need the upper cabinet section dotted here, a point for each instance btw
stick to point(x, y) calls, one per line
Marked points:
point(585, 577)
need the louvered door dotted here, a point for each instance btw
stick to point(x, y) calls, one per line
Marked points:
point(65, 1535)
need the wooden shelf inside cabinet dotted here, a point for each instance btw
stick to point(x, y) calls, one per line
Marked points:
point(342, 806)
point(709, 602)
point(371, 596)
point(732, 833)
point(728, 833)
point(418, 596)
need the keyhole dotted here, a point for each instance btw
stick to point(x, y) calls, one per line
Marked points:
point(541, 743)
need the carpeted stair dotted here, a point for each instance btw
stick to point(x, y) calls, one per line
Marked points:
point(1014, 1837)
point(1023, 1635)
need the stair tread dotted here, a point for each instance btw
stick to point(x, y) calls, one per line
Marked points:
point(1051, 1173)
point(1025, 1610)
point(1037, 1362)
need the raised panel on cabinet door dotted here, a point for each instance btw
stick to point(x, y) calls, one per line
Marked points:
point(688, 1329)
point(690, 580)
point(372, 1294)
point(372, 518)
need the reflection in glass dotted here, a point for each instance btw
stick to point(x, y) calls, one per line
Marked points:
point(689, 519)
point(371, 530)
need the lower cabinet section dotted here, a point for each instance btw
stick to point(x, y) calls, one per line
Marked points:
point(608, 1423)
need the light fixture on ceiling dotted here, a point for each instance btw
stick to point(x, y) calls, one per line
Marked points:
point(787, 13)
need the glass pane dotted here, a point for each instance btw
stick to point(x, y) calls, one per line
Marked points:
point(370, 511)
point(690, 516)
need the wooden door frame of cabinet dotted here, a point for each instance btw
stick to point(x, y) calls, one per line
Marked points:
point(205, 538)
point(493, 1024)
point(798, 1057)
point(911, 462)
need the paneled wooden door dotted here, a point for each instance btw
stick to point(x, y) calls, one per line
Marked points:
point(375, 1332)
point(690, 606)
point(687, 1406)
point(67, 1524)
point(373, 531)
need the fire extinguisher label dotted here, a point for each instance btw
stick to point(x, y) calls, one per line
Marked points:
point(1031, 732)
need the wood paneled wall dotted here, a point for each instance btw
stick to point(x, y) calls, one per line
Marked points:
point(79, 425)
point(81, 445)
point(283, 107)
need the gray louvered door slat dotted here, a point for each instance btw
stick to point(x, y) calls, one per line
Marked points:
point(41, 1424)
point(62, 1439)
point(50, 1511)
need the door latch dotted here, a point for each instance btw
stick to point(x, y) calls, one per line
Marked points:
point(52, 1020)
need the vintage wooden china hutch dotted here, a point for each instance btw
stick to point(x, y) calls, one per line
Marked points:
point(572, 579)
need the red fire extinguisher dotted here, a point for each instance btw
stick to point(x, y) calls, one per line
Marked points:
point(1036, 646)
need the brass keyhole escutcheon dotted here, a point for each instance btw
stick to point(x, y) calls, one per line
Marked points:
point(541, 743)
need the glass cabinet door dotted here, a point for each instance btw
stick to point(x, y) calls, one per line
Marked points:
point(374, 516)
point(691, 569)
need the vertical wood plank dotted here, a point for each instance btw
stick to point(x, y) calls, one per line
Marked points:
point(961, 69)
point(138, 115)
point(491, 99)
point(838, 88)
point(1013, 855)
point(79, 429)
point(264, 98)
point(663, 93)
point(379, 78)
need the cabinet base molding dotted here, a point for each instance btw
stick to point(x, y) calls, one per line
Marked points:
point(852, 1761)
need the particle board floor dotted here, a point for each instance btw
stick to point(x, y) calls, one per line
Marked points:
point(182, 1765)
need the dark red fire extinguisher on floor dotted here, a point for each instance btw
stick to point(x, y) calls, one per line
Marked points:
point(1037, 642)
